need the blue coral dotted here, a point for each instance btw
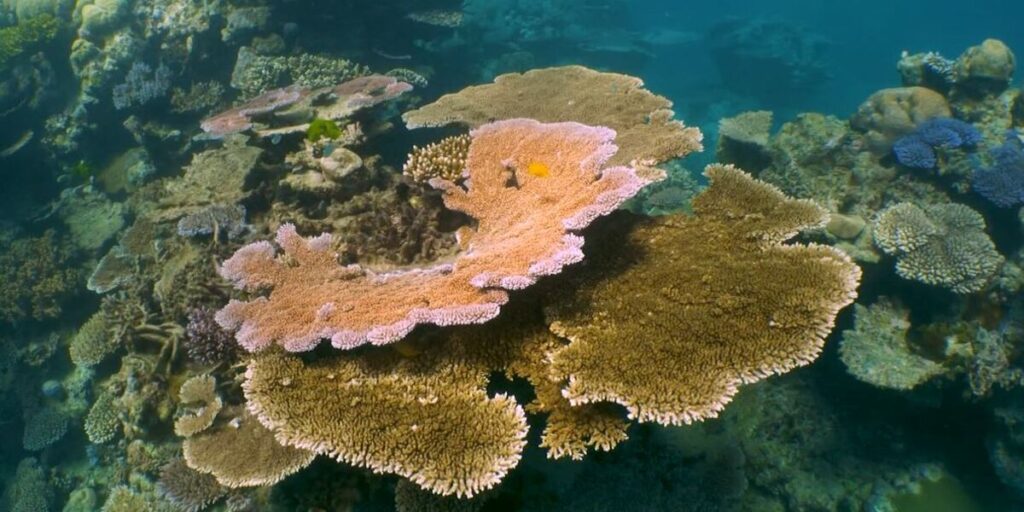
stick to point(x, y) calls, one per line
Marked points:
point(917, 150)
point(1003, 181)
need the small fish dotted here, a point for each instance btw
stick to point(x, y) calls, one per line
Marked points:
point(538, 169)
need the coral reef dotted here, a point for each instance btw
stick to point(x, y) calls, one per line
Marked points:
point(877, 350)
point(723, 307)
point(93, 342)
point(643, 122)
point(520, 173)
point(214, 220)
point(985, 68)
point(743, 140)
point(29, 491)
point(942, 245)
point(215, 177)
point(255, 74)
point(25, 37)
point(103, 423)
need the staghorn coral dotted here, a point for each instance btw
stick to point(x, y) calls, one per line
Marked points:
point(444, 159)
point(201, 390)
point(188, 489)
point(642, 120)
point(530, 186)
point(941, 245)
point(44, 428)
point(217, 451)
point(93, 342)
point(707, 303)
point(103, 421)
point(876, 350)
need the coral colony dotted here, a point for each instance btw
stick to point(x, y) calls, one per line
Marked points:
point(223, 290)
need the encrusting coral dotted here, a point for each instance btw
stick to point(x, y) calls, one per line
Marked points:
point(876, 350)
point(643, 121)
point(530, 186)
point(707, 303)
point(241, 452)
point(942, 245)
point(202, 390)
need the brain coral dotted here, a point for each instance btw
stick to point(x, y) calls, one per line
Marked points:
point(531, 186)
point(942, 245)
point(643, 120)
point(892, 113)
point(707, 303)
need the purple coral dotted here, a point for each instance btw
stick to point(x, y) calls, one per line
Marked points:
point(917, 150)
point(205, 341)
point(141, 85)
point(1003, 181)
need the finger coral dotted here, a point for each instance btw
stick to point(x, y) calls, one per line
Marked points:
point(941, 245)
point(93, 342)
point(643, 120)
point(242, 453)
point(530, 186)
point(687, 309)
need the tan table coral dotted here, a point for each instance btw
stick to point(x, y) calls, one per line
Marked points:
point(531, 186)
point(643, 120)
point(684, 310)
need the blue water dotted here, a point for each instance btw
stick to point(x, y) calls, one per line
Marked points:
point(151, 149)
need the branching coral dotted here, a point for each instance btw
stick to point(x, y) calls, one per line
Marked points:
point(1002, 182)
point(707, 303)
point(44, 428)
point(205, 341)
point(102, 423)
point(444, 159)
point(242, 453)
point(214, 177)
point(942, 245)
point(38, 276)
point(876, 350)
point(918, 149)
point(642, 120)
point(93, 342)
point(530, 186)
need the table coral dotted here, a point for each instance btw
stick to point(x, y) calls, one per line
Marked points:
point(643, 121)
point(242, 453)
point(876, 350)
point(199, 393)
point(525, 227)
point(942, 245)
point(214, 177)
point(707, 303)
point(186, 488)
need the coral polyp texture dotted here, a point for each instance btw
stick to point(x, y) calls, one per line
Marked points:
point(941, 245)
point(443, 159)
point(643, 120)
point(240, 452)
point(707, 303)
point(530, 187)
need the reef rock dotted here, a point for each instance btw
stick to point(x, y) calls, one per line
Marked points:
point(892, 113)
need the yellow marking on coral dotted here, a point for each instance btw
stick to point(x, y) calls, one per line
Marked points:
point(538, 169)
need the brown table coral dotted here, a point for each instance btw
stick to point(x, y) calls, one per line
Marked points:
point(671, 324)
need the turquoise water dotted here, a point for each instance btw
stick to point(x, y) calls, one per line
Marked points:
point(492, 255)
